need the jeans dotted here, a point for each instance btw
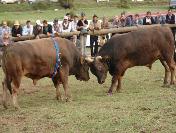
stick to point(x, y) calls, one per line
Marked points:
point(94, 48)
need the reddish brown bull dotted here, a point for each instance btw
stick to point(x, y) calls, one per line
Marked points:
point(137, 48)
point(36, 59)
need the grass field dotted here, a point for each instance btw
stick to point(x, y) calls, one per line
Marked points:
point(143, 106)
point(90, 11)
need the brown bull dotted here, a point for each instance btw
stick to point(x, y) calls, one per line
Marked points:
point(36, 59)
point(137, 48)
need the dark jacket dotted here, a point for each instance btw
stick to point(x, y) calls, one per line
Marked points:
point(170, 19)
point(37, 30)
point(47, 29)
point(146, 23)
point(16, 31)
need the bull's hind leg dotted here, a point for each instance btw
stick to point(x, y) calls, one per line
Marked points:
point(16, 85)
point(4, 97)
point(171, 65)
point(119, 86)
point(167, 72)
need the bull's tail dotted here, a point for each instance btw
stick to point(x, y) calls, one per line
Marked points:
point(7, 78)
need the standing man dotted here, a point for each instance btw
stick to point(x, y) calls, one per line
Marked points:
point(94, 25)
point(82, 26)
point(136, 20)
point(28, 28)
point(170, 19)
point(74, 28)
point(47, 28)
point(160, 19)
point(148, 20)
point(66, 26)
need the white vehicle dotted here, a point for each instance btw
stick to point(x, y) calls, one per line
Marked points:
point(31, 1)
point(10, 1)
point(102, 0)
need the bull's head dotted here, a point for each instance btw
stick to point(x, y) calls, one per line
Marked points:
point(98, 66)
point(82, 70)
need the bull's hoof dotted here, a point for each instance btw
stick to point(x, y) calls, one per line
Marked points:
point(109, 93)
point(166, 85)
point(68, 100)
point(58, 98)
point(119, 90)
point(17, 107)
point(5, 105)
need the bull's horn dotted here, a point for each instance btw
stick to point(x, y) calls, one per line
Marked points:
point(89, 59)
point(99, 58)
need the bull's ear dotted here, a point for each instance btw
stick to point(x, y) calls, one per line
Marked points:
point(89, 59)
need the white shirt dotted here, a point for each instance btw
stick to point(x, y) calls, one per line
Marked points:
point(74, 25)
point(27, 30)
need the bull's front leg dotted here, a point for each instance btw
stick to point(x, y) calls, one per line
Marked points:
point(119, 86)
point(64, 73)
point(67, 95)
point(113, 84)
point(58, 93)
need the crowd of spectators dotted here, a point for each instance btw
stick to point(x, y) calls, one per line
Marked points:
point(80, 23)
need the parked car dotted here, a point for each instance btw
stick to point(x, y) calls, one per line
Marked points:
point(10, 1)
point(31, 1)
point(172, 4)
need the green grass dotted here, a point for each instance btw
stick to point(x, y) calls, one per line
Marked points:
point(51, 14)
point(142, 106)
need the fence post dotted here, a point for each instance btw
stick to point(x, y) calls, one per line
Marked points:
point(82, 43)
point(83, 39)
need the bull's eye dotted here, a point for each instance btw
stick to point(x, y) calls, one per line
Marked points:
point(99, 68)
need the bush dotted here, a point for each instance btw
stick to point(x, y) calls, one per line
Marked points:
point(124, 4)
point(67, 3)
point(41, 5)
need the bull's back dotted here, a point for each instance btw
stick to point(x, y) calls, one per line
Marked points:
point(141, 47)
point(37, 58)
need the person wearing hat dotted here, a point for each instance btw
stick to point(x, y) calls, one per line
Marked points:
point(94, 25)
point(4, 28)
point(37, 30)
point(17, 29)
point(56, 26)
point(47, 28)
point(66, 25)
point(28, 28)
